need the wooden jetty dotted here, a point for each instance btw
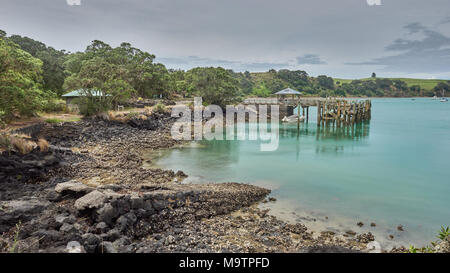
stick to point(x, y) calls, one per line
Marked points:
point(335, 111)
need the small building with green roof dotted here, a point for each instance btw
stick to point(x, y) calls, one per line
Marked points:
point(69, 97)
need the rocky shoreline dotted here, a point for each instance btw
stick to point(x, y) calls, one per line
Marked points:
point(90, 193)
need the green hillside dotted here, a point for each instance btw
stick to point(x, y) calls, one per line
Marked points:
point(266, 83)
point(426, 84)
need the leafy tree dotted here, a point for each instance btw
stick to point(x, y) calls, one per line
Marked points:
point(53, 70)
point(103, 84)
point(20, 81)
point(275, 85)
point(296, 79)
point(325, 82)
point(178, 82)
point(261, 91)
point(442, 87)
point(245, 82)
point(215, 85)
point(415, 90)
point(117, 72)
point(400, 85)
point(340, 92)
point(383, 83)
point(374, 75)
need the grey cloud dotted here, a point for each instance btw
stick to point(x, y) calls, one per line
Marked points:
point(195, 61)
point(415, 27)
point(433, 40)
point(446, 20)
point(310, 59)
point(430, 54)
point(251, 35)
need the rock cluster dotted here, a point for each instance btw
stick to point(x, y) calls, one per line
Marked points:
point(95, 196)
point(108, 218)
point(16, 167)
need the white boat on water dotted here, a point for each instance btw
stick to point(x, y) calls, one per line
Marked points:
point(292, 119)
point(444, 100)
point(435, 98)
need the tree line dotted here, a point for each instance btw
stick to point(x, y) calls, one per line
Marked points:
point(33, 76)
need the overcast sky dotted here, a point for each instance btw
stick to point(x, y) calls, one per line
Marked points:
point(340, 38)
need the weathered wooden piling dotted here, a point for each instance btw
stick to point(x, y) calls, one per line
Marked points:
point(335, 111)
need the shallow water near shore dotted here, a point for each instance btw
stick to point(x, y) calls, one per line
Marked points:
point(392, 171)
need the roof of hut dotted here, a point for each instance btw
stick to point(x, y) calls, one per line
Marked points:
point(288, 91)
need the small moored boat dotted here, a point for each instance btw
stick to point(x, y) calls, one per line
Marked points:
point(293, 118)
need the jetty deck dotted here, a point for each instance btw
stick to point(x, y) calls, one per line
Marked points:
point(336, 111)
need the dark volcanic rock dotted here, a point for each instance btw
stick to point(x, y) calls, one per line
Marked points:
point(34, 166)
point(12, 212)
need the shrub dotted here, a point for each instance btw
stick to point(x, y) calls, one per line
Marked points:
point(91, 106)
point(444, 233)
point(43, 145)
point(132, 115)
point(54, 105)
point(160, 108)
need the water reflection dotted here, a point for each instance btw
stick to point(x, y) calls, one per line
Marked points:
point(219, 153)
point(293, 144)
point(328, 139)
point(356, 132)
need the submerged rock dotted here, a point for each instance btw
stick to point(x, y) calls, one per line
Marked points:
point(365, 237)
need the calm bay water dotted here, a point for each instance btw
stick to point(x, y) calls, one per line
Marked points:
point(395, 170)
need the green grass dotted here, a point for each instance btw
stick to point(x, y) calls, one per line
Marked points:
point(426, 84)
point(57, 120)
point(54, 120)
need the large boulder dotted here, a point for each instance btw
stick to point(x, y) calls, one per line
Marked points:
point(92, 200)
point(73, 187)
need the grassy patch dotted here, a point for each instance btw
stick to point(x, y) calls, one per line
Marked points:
point(54, 120)
point(160, 108)
point(58, 120)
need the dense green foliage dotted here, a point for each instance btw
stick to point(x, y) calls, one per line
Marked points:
point(20, 82)
point(117, 72)
point(31, 77)
point(261, 91)
point(214, 85)
point(52, 59)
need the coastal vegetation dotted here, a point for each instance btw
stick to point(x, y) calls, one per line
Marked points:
point(443, 243)
point(34, 76)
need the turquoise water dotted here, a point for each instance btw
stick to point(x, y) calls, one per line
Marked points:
point(394, 170)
